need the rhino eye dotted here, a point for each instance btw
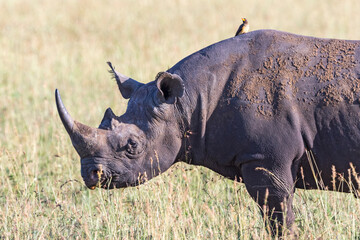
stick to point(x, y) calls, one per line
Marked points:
point(131, 146)
point(132, 143)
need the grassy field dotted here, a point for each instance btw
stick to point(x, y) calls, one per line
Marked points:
point(65, 44)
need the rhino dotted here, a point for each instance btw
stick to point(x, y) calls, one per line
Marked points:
point(275, 110)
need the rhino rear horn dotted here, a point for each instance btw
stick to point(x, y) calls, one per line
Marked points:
point(107, 119)
point(127, 86)
point(82, 136)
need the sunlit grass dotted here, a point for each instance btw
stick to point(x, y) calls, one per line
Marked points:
point(65, 45)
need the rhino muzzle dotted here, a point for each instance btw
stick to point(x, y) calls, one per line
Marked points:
point(93, 175)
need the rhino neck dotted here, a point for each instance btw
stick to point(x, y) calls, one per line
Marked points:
point(193, 112)
point(205, 75)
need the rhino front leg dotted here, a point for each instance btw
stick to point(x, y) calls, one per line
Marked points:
point(273, 191)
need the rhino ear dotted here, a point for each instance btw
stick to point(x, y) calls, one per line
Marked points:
point(107, 119)
point(170, 87)
point(127, 86)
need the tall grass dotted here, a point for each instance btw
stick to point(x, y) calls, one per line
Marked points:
point(65, 44)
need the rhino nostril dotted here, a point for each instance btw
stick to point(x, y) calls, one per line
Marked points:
point(93, 175)
point(96, 174)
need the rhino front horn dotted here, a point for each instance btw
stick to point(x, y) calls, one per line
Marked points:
point(65, 117)
point(83, 137)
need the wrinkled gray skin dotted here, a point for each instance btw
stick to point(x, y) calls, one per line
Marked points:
point(247, 107)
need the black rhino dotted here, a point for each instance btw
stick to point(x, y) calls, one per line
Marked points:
point(253, 107)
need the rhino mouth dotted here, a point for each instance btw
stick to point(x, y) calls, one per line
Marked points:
point(105, 183)
point(110, 182)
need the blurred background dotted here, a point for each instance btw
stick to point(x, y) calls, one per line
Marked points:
point(65, 44)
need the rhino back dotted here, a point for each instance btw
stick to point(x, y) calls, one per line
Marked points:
point(287, 85)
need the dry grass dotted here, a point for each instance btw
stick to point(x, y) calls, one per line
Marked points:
point(65, 44)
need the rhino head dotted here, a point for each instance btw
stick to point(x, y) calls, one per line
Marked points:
point(126, 150)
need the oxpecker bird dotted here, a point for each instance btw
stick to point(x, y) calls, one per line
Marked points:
point(244, 27)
